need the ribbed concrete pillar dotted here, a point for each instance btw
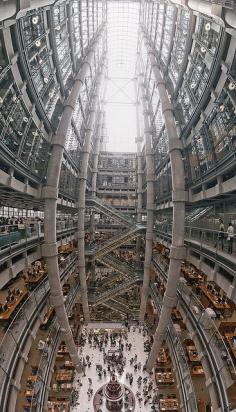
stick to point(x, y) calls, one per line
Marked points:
point(50, 196)
point(150, 198)
point(177, 251)
point(139, 140)
point(81, 198)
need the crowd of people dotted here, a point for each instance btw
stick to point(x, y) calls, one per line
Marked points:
point(119, 358)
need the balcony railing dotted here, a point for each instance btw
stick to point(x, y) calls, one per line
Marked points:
point(14, 339)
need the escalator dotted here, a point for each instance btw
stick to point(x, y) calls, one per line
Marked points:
point(100, 206)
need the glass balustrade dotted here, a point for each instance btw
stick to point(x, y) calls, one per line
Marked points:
point(16, 333)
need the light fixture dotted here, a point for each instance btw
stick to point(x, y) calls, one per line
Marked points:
point(1, 100)
point(35, 133)
point(14, 98)
point(45, 80)
point(35, 19)
point(11, 119)
point(40, 61)
point(222, 108)
point(208, 26)
point(193, 85)
point(57, 28)
point(50, 94)
point(25, 119)
point(56, 11)
point(232, 86)
point(19, 133)
point(203, 50)
point(38, 43)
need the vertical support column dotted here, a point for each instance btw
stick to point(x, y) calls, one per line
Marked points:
point(51, 195)
point(139, 140)
point(177, 252)
point(150, 199)
point(81, 199)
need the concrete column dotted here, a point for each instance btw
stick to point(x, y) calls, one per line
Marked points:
point(150, 199)
point(177, 251)
point(139, 140)
point(51, 195)
point(81, 198)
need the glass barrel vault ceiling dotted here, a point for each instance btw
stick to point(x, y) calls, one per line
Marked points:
point(122, 36)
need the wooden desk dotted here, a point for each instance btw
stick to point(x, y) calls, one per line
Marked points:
point(169, 404)
point(229, 337)
point(175, 314)
point(211, 298)
point(64, 375)
point(162, 357)
point(5, 316)
point(58, 406)
point(192, 353)
point(197, 371)
point(32, 281)
point(164, 378)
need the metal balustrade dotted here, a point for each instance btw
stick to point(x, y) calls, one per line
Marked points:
point(12, 238)
point(15, 337)
point(120, 266)
point(216, 349)
point(102, 297)
point(45, 363)
point(204, 236)
point(188, 393)
point(97, 204)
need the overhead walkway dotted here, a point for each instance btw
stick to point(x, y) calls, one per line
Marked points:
point(112, 212)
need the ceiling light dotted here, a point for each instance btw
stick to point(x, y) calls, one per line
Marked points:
point(19, 133)
point(11, 119)
point(50, 94)
point(56, 11)
point(14, 98)
point(45, 80)
point(193, 85)
point(1, 100)
point(35, 133)
point(25, 119)
point(207, 26)
point(35, 19)
point(40, 61)
point(38, 43)
point(203, 50)
point(222, 108)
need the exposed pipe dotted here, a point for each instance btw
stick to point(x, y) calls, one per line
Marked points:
point(81, 198)
point(51, 195)
point(150, 199)
point(177, 252)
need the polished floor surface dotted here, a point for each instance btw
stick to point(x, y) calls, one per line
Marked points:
point(136, 338)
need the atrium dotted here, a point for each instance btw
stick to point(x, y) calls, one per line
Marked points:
point(117, 205)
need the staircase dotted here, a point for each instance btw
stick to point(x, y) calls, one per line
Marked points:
point(117, 241)
point(100, 206)
point(104, 293)
point(101, 298)
point(120, 307)
point(118, 265)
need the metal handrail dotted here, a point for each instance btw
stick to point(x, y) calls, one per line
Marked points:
point(14, 333)
point(185, 293)
point(182, 361)
point(42, 372)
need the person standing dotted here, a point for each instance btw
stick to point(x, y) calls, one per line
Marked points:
point(230, 237)
point(221, 234)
